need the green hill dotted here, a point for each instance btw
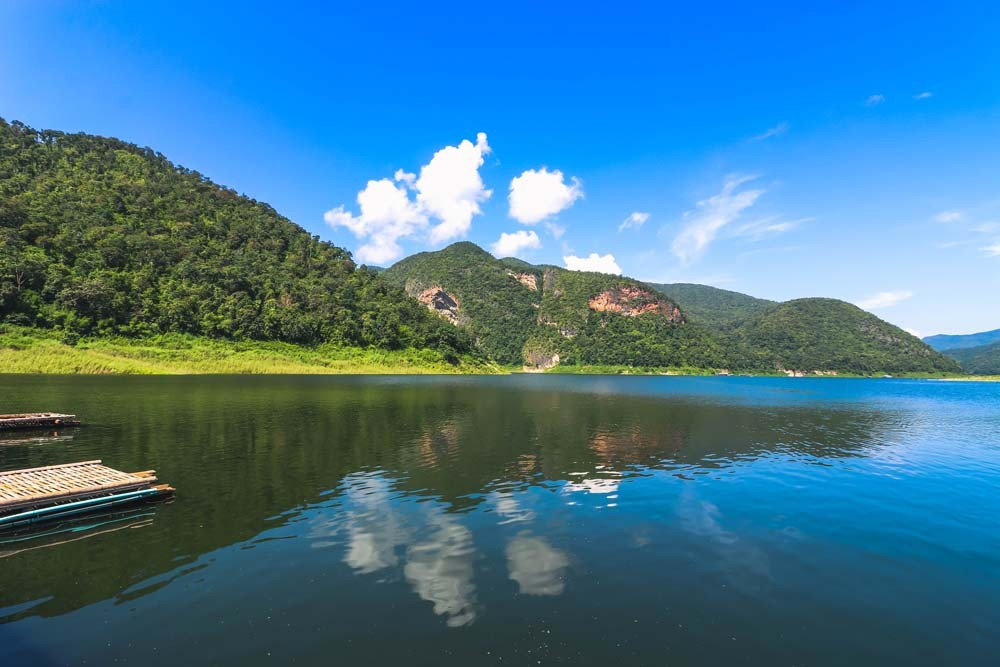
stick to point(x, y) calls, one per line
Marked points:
point(106, 240)
point(102, 237)
point(943, 342)
point(717, 309)
point(522, 313)
point(827, 334)
point(979, 360)
point(496, 308)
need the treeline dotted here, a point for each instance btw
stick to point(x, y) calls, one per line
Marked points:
point(99, 237)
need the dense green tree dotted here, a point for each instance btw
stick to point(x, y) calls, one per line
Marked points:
point(99, 236)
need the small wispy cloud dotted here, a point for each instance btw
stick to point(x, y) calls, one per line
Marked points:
point(912, 332)
point(769, 226)
point(924, 95)
point(775, 131)
point(948, 216)
point(884, 300)
point(992, 250)
point(875, 100)
point(635, 220)
point(711, 215)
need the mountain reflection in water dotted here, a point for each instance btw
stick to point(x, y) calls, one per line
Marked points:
point(369, 511)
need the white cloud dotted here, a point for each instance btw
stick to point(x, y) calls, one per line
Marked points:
point(511, 245)
point(884, 299)
point(924, 95)
point(387, 215)
point(875, 100)
point(992, 250)
point(635, 220)
point(538, 194)
point(912, 332)
point(775, 131)
point(948, 216)
point(711, 215)
point(449, 190)
point(593, 262)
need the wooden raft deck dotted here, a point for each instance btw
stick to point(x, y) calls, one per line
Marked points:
point(37, 420)
point(34, 488)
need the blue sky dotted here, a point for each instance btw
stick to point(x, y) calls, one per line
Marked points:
point(849, 150)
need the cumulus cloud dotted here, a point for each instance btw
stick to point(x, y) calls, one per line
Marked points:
point(710, 215)
point(635, 220)
point(884, 299)
point(924, 95)
point(593, 262)
point(875, 100)
point(775, 131)
point(948, 216)
point(387, 215)
point(539, 194)
point(513, 244)
point(449, 191)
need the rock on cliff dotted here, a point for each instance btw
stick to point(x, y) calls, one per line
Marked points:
point(632, 301)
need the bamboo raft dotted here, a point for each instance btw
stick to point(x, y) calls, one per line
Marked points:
point(54, 492)
point(37, 420)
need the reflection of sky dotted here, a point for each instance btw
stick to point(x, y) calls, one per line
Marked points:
point(433, 549)
point(440, 570)
point(536, 566)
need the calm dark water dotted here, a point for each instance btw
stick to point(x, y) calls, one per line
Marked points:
point(516, 520)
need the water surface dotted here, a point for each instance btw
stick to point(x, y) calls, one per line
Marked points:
point(516, 520)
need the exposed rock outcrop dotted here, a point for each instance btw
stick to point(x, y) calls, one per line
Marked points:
point(632, 301)
point(442, 303)
point(527, 279)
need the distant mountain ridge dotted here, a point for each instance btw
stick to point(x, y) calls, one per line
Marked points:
point(544, 315)
point(942, 342)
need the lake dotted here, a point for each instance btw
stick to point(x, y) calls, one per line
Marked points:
point(515, 520)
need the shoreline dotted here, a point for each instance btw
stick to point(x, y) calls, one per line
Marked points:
point(28, 351)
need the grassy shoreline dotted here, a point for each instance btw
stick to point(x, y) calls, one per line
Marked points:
point(24, 350)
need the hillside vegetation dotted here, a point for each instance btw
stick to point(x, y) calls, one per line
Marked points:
point(821, 334)
point(101, 237)
point(543, 315)
point(113, 259)
point(714, 308)
point(980, 360)
point(520, 313)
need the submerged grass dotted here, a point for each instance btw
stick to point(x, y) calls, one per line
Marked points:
point(24, 350)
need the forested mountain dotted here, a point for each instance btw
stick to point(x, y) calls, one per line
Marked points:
point(541, 315)
point(831, 334)
point(98, 236)
point(979, 360)
point(523, 312)
point(101, 237)
point(943, 342)
point(717, 309)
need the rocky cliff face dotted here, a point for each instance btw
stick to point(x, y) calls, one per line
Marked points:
point(442, 303)
point(632, 301)
point(527, 279)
